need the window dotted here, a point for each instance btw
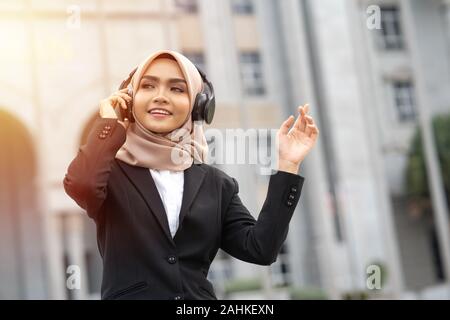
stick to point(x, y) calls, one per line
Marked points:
point(404, 100)
point(242, 6)
point(197, 58)
point(251, 74)
point(391, 37)
point(187, 6)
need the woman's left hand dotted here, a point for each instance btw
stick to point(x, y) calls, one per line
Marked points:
point(296, 143)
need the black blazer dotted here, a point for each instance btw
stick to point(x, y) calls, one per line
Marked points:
point(141, 260)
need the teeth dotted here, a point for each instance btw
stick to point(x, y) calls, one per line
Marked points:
point(160, 111)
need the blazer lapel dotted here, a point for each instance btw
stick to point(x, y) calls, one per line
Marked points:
point(193, 179)
point(144, 183)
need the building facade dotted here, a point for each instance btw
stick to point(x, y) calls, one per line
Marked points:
point(264, 58)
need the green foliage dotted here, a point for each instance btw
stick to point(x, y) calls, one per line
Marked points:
point(307, 293)
point(240, 285)
point(416, 174)
point(442, 132)
point(355, 295)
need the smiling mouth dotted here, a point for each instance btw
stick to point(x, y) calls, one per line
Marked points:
point(159, 113)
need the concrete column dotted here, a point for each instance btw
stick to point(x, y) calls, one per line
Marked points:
point(300, 79)
point(370, 92)
point(221, 53)
point(422, 50)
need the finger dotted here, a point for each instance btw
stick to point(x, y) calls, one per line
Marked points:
point(298, 120)
point(119, 96)
point(301, 110)
point(113, 102)
point(314, 132)
point(309, 129)
point(309, 119)
point(122, 102)
point(301, 121)
point(123, 95)
point(306, 108)
point(286, 125)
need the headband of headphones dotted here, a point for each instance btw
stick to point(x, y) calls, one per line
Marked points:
point(127, 82)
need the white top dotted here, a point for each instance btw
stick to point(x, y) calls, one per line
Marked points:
point(170, 185)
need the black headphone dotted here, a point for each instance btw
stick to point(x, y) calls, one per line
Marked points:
point(204, 103)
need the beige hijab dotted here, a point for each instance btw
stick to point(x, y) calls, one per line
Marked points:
point(178, 149)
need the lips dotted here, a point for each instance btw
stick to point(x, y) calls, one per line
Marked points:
point(159, 111)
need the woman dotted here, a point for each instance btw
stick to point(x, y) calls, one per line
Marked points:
point(161, 220)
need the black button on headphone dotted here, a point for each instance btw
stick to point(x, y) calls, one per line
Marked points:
point(204, 103)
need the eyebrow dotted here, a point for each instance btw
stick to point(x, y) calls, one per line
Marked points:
point(172, 80)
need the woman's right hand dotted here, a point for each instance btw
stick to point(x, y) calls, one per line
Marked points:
point(108, 105)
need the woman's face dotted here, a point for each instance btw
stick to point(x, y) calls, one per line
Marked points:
point(162, 100)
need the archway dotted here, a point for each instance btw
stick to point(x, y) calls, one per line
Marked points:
point(80, 243)
point(21, 267)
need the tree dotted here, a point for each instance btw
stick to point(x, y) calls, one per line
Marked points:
point(416, 175)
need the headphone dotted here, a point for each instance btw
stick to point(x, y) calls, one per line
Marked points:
point(204, 103)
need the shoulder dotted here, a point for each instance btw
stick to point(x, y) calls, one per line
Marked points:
point(227, 183)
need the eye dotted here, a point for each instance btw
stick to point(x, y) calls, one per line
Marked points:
point(147, 85)
point(177, 89)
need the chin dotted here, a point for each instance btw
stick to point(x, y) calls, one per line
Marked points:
point(161, 128)
point(157, 129)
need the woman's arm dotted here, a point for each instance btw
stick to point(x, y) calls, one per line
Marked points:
point(259, 241)
point(87, 176)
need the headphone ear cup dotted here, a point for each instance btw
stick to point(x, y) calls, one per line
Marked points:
point(199, 106)
point(208, 112)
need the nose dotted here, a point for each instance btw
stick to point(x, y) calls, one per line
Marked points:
point(160, 99)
